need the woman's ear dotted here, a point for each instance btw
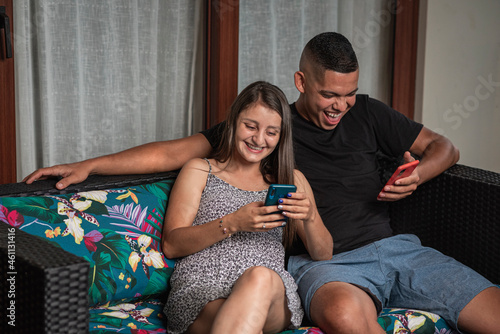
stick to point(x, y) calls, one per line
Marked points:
point(300, 81)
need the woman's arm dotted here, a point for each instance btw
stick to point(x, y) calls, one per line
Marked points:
point(310, 228)
point(180, 237)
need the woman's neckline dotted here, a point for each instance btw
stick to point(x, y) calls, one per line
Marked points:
point(235, 187)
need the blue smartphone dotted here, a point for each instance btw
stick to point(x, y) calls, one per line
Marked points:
point(277, 191)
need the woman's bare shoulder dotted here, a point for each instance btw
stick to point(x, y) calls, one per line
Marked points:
point(198, 164)
point(300, 180)
point(297, 174)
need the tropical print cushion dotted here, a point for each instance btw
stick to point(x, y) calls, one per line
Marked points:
point(143, 317)
point(138, 317)
point(406, 321)
point(304, 330)
point(118, 231)
point(399, 321)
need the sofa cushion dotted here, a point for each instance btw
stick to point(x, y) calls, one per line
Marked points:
point(139, 316)
point(117, 230)
point(398, 320)
point(147, 317)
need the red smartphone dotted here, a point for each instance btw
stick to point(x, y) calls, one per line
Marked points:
point(402, 171)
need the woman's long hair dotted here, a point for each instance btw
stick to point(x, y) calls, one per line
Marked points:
point(278, 166)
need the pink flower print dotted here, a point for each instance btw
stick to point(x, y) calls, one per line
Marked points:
point(90, 239)
point(13, 218)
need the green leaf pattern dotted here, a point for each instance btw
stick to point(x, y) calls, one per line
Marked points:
point(82, 224)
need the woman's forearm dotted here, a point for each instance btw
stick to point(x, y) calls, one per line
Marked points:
point(184, 241)
point(319, 241)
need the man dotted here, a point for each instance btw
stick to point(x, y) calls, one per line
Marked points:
point(337, 135)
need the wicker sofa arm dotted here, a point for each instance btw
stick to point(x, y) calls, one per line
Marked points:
point(457, 213)
point(44, 288)
point(93, 182)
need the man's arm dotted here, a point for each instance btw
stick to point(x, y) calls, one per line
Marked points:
point(148, 158)
point(437, 153)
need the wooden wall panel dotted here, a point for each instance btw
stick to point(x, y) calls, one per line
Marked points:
point(222, 58)
point(7, 105)
point(405, 57)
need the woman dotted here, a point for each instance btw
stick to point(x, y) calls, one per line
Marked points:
point(230, 276)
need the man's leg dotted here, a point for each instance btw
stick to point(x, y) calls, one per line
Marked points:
point(339, 307)
point(482, 313)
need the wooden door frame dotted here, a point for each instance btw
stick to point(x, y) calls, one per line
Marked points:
point(222, 58)
point(405, 56)
point(7, 105)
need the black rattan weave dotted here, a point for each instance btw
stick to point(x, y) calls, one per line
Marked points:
point(93, 182)
point(49, 286)
point(457, 213)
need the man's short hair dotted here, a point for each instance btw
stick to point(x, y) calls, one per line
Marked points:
point(329, 51)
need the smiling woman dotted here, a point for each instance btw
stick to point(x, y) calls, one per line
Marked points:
point(257, 133)
point(217, 215)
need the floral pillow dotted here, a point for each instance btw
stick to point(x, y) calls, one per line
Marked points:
point(398, 320)
point(118, 231)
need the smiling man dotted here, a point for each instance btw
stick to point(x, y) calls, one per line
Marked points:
point(337, 136)
point(326, 96)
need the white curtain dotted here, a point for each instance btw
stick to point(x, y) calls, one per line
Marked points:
point(96, 77)
point(274, 32)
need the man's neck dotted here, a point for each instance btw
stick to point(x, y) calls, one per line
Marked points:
point(299, 105)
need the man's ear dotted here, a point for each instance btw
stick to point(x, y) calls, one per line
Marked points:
point(300, 81)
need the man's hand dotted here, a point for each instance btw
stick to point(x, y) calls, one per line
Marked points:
point(403, 187)
point(69, 174)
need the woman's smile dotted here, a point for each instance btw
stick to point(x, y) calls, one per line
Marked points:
point(257, 133)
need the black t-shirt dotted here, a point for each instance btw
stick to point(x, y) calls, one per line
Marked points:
point(342, 167)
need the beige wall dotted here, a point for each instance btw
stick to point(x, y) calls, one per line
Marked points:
point(458, 76)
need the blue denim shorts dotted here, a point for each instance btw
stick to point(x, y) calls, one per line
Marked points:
point(396, 272)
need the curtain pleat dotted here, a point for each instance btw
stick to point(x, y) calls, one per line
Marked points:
point(96, 77)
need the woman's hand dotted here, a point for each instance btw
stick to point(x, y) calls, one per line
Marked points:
point(297, 206)
point(254, 217)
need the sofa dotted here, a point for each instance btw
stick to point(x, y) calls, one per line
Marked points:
point(88, 259)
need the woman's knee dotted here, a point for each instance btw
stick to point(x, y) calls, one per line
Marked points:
point(261, 277)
